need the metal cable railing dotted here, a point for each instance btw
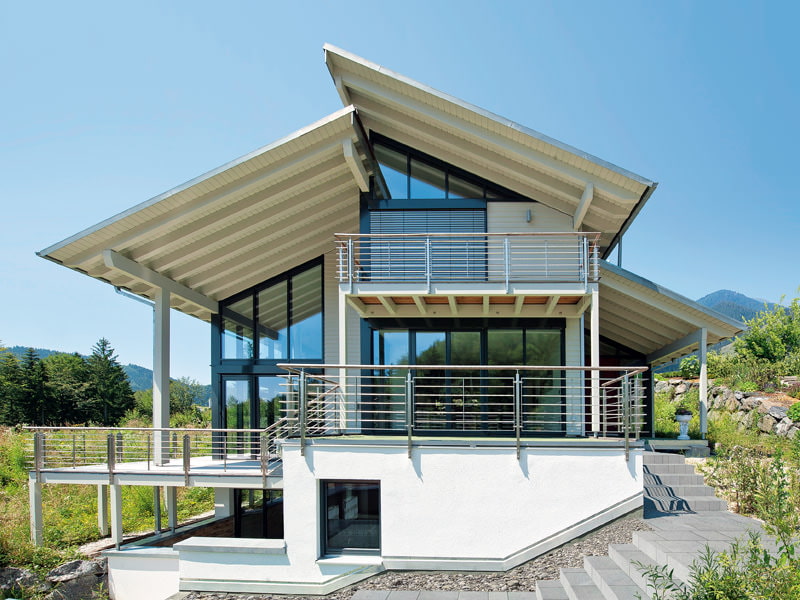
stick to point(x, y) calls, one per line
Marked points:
point(569, 257)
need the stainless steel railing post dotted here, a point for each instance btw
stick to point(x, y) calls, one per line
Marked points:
point(518, 410)
point(187, 457)
point(409, 409)
point(626, 416)
point(428, 266)
point(111, 457)
point(506, 263)
point(302, 392)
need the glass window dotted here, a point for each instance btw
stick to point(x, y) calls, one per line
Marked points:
point(258, 514)
point(271, 399)
point(543, 391)
point(237, 329)
point(306, 309)
point(394, 168)
point(352, 515)
point(237, 413)
point(427, 182)
point(460, 188)
point(272, 321)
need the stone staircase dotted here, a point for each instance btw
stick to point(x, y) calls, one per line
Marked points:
point(685, 517)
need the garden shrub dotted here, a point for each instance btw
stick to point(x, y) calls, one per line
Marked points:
point(690, 367)
point(794, 412)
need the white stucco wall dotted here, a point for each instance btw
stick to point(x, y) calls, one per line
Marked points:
point(476, 506)
point(137, 573)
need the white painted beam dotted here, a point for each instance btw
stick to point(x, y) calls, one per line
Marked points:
point(353, 161)
point(683, 345)
point(519, 302)
point(453, 305)
point(35, 499)
point(703, 352)
point(423, 309)
point(116, 514)
point(551, 305)
point(388, 304)
point(161, 327)
point(486, 305)
point(594, 338)
point(115, 260)
point(102, 510)
point(171, 498)
point(583, 206)
point(584, 304)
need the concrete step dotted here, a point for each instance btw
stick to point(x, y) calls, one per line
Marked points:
point(672, 479)
point(678, 549)
point(612, 581)
point(579, 586)
point(625, 556)
point(550, 590)
point(684, 504)
point(660, 458)
point(668, 491)
point(670, 469)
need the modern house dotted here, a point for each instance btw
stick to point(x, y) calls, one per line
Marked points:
point(421, 356)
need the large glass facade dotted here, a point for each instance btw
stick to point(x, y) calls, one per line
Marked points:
point(278, 320)
point(351, 516)
point(469, 399)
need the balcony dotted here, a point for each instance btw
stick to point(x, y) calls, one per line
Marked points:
point(470, 274)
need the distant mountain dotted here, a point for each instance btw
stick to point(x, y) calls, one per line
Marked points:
point(735, 305)
point(141, 378)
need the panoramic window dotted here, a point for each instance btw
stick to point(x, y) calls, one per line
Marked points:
point(278, 320)
point(352, 516)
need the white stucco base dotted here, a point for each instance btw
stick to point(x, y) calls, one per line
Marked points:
point(454, 505)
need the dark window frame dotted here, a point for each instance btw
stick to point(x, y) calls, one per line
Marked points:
point(323, 529)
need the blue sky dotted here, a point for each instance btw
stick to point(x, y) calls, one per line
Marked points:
point(107, 104)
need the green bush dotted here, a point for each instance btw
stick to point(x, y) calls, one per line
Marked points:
point(690, 367)
point(794, 412)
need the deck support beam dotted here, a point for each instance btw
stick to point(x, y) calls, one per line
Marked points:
point(594, 350)
point(161, 326)
point(223, 503)
point(35, 497)
point(171, 496)
point(703, 356)
point(116, 514)
point(102, 510)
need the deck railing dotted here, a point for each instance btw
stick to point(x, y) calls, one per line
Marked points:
point(462, 400)
point(429, 258)
point(148, 449)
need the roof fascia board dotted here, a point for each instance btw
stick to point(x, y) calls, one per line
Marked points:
point(331, 50)
point(347, 110)
point(631, 217)
point(115, 260)
point(637, 279)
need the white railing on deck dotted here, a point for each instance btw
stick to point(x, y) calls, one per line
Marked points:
point(569, 257)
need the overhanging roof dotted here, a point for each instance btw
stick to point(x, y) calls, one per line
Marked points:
point(598, 195)
point(235, 226)
point(649, 318)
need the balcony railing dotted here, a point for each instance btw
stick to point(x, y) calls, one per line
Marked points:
point(141, 449)
point(462, 400)
point(468, 257)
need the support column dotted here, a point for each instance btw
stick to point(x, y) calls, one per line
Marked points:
point(157, 509)
point(594, 341)
point(346, 411)
point(223, 502)
point(171, 496)
point(102, 510)
point(702, 353)
point(116, 514)
point(161, 375)
point(35, 498)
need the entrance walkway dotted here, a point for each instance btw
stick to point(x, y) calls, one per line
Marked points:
point(685, 517)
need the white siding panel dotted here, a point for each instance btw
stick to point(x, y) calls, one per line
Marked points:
point(511, 217)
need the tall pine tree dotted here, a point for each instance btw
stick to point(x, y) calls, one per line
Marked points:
point(10, 389)
point(34, 402)
point(109, 393)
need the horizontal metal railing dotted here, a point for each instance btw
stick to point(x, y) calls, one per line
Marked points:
point(148, 449)
point(569, 257)
point(420, 400)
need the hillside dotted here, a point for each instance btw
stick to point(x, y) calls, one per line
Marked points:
point(141, 378)
point(735, 305)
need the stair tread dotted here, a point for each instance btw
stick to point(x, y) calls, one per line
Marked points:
point(579, 586)
point(613, 582)
point(550, 589)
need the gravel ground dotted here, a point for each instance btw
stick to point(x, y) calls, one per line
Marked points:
point(519, 579)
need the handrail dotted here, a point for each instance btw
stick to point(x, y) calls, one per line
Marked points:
point(296, 367)
point(591, 235)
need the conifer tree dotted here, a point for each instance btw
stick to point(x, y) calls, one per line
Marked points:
point(10, 389)
point(109, 392)
point(34, 402)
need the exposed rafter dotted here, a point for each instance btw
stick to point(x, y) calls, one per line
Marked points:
point(583, 206)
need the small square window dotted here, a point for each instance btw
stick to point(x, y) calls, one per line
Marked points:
point(351, 518)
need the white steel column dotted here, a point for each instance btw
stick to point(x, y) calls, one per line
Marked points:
point(161, 375)
point(35, 499)
point(102, 510)
point(702, 352)
point(116, 514)
point(223, 502)
point(171, 497)
point(346, 410)
point(594, 341)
